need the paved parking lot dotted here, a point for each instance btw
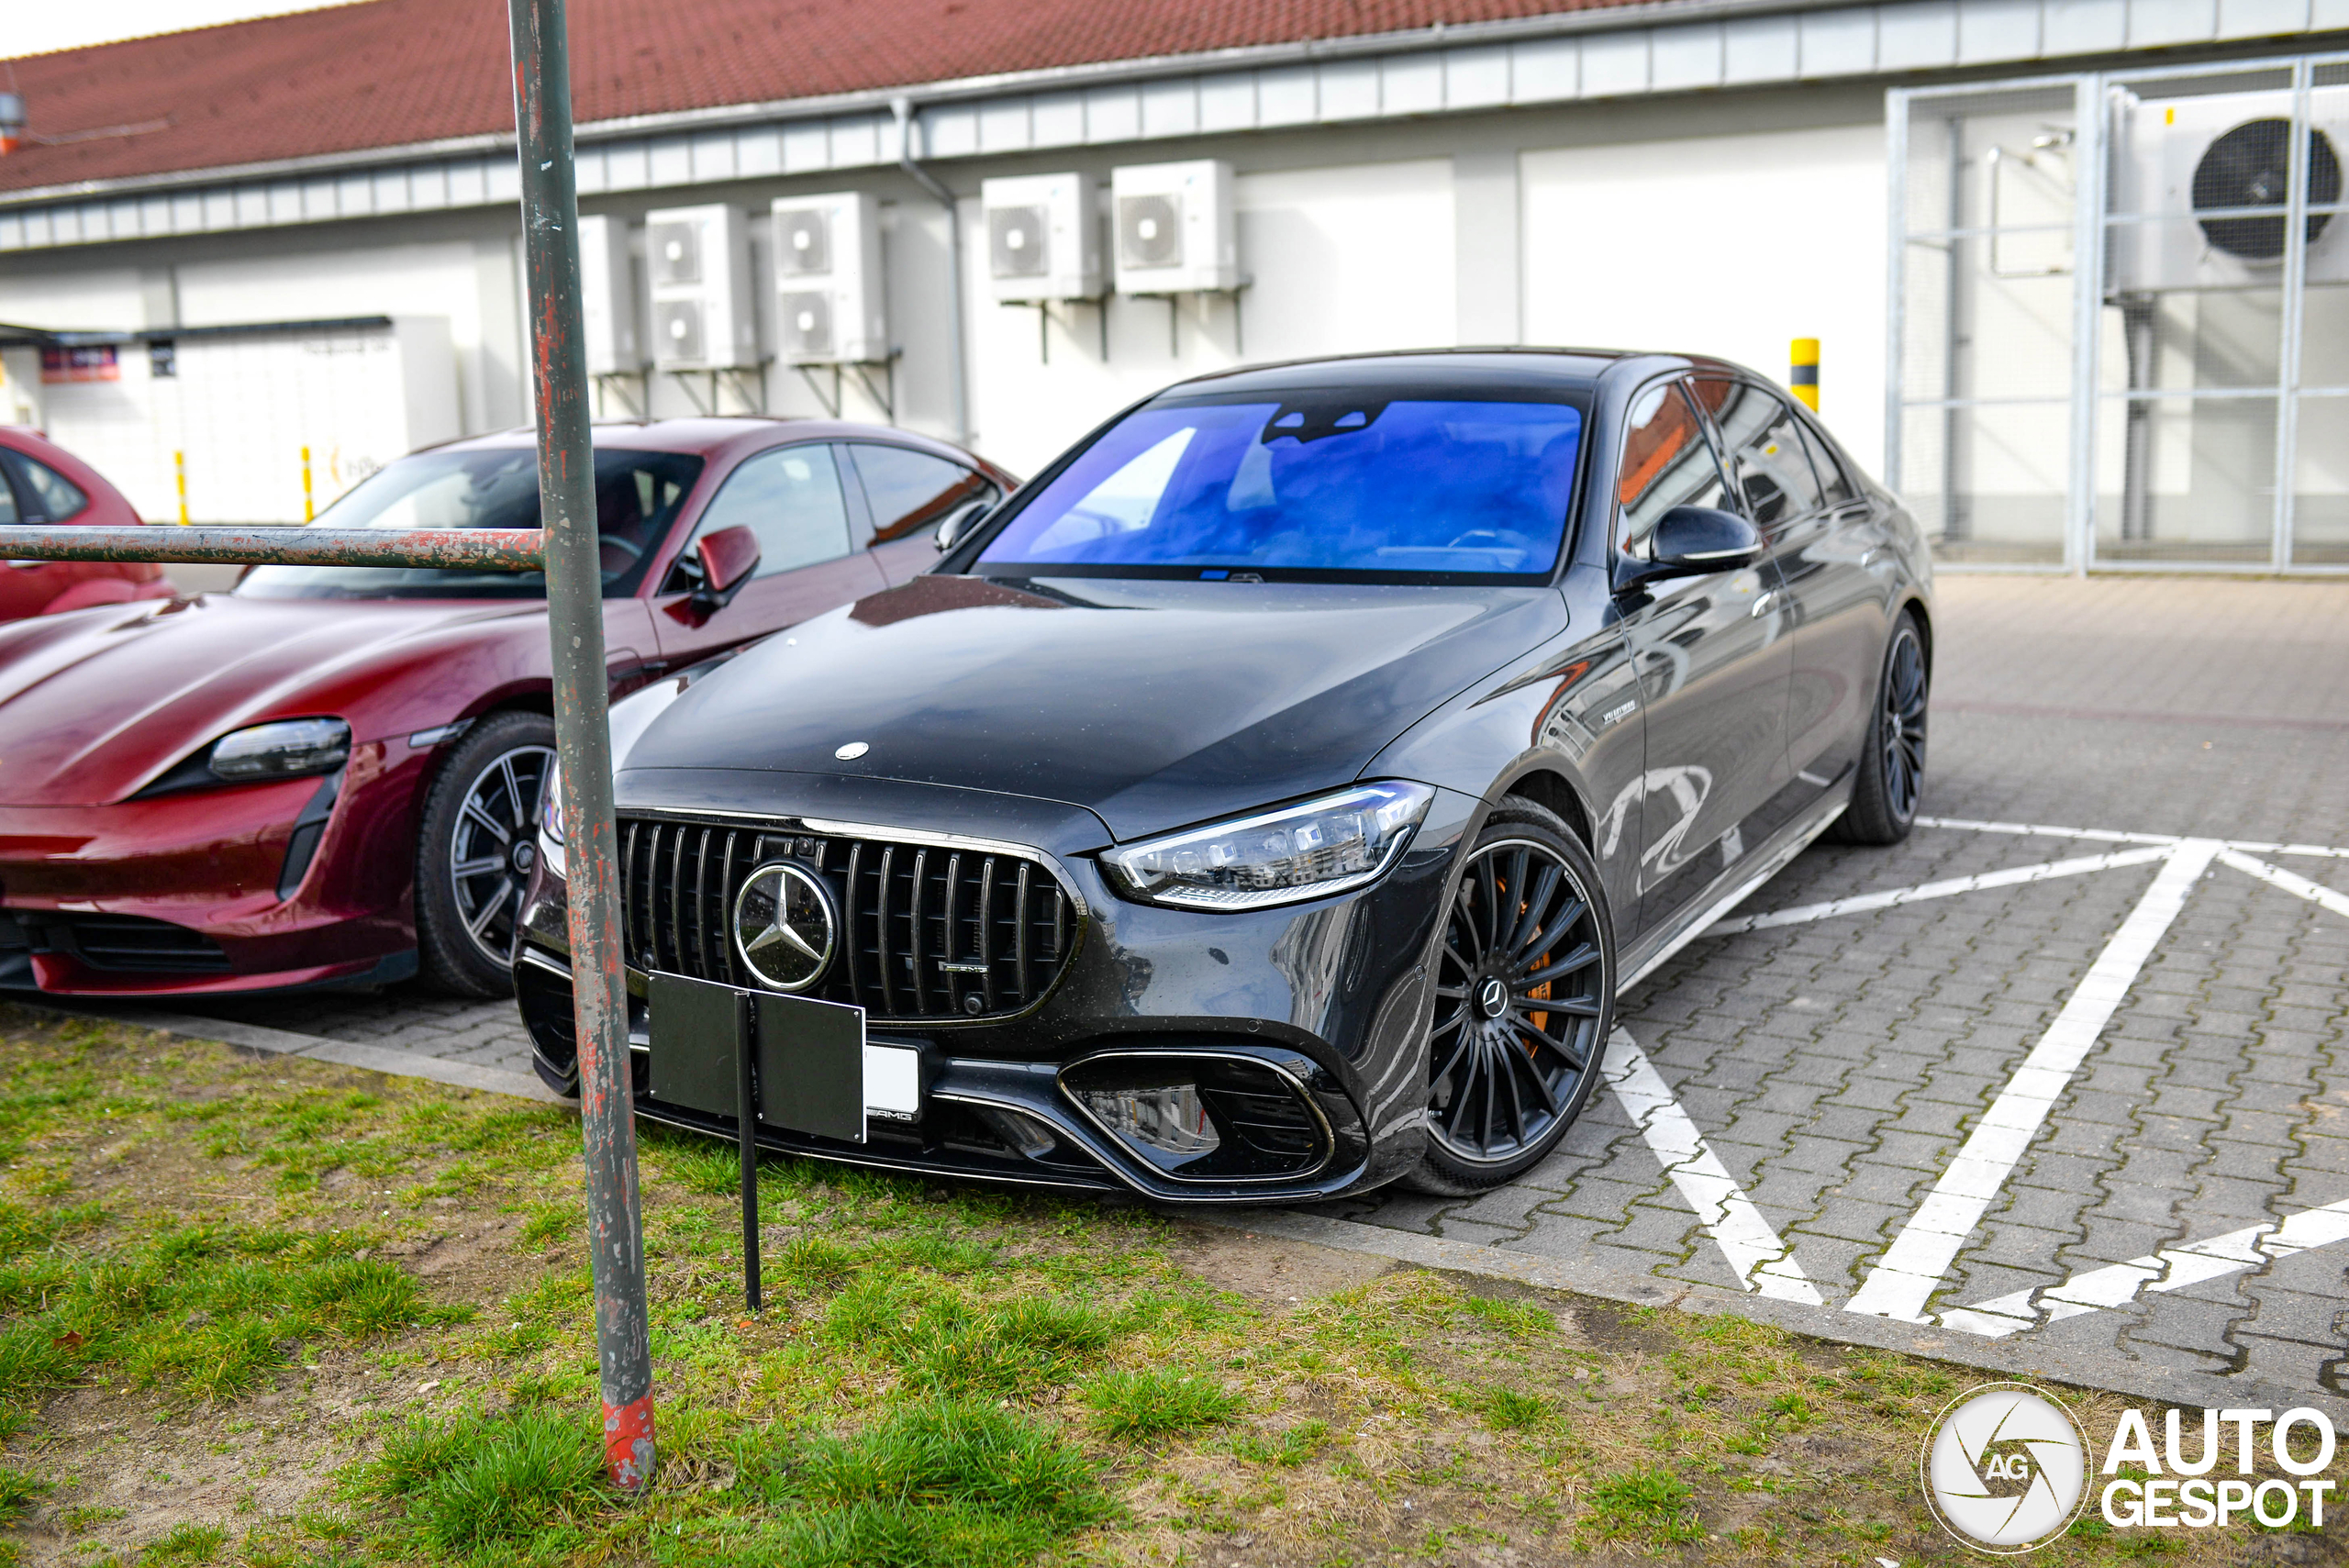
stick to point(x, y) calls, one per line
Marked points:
point(2068, 1069)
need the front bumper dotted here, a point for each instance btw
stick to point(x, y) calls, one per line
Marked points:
point(1330, 997)
point(190, 893)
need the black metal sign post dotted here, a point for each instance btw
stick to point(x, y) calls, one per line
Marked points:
point(583, 736)
point(746, 1110)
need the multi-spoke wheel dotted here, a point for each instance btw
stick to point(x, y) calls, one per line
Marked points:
point(1525, 989)
point(479, 844)
point(1891, 775)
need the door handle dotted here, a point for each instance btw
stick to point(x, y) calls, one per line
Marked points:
point(1769, 597)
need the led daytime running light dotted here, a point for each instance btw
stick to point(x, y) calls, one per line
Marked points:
point(1310, 851)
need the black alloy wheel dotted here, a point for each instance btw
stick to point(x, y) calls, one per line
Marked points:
point(1524, 1001)
point(479, 845)
point(1891, 773)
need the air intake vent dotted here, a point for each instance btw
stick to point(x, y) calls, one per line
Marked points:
point(807, 324)
point(1019, 243)
point(1150, 231)
point(123, 944)
point(803, 242)
point(929, 933)
point(675, 252)
point(677, 324)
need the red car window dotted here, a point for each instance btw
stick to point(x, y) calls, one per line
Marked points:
point(57, 498)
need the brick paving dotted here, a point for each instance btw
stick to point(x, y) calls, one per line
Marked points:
point(1835, 1067)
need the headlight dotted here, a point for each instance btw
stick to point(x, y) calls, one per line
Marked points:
point(551, 804)
point(1312, 850)
point(282, 751)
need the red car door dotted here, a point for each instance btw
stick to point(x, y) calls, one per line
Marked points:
point(793, 499)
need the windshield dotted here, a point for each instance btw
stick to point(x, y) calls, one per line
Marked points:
point(637, 496)
point(1318, 484)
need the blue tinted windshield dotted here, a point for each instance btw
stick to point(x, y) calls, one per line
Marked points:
point(1319, 483)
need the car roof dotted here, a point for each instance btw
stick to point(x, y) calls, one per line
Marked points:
point(713, 436)
point(1560, 368)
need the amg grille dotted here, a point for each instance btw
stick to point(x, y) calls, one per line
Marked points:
point(927, 931)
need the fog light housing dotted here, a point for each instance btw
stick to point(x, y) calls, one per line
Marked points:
point(1202, 1118)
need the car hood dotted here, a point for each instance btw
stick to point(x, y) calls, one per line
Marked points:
point(1150, 703)
point(95, 704)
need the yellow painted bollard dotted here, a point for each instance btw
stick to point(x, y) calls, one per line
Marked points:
point(1802, 373)
point(309, 512)
point(179, 474)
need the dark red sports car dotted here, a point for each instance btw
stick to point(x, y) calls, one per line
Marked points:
point(40, 481)
point(332, 775)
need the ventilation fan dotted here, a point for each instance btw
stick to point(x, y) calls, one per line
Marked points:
point(1150, 230)
point(1019, 242)
point(807, 326)
point(2250, 166)
point(803, 241)
point(678, 331)
point(675, 252)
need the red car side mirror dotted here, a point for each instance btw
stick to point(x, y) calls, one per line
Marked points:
point(728, 558)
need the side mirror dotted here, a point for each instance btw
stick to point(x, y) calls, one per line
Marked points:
point(960, 525)
point(1691, 541)
point(726, 557)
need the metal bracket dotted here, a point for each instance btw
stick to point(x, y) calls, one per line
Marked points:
point(617, 382)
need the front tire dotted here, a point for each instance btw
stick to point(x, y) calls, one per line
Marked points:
point(1891, 777)
point(474, 857)
point(1525, 1000)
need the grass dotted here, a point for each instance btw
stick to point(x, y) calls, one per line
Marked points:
point(281, 1313)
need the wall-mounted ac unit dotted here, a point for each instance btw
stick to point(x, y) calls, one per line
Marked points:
point(1173, 227)
point(699, 259)
point(2181, 164)
point(830, 298)
point(1044, 237)
point(608, 299)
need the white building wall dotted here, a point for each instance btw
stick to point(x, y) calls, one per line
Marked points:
point(1730, 244)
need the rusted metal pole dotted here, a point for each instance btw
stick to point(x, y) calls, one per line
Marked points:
point(582, 741)
point(481, 549)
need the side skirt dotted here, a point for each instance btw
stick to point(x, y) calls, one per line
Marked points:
point(1732, 887)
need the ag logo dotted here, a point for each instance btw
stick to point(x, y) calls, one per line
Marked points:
point(2005, 1468)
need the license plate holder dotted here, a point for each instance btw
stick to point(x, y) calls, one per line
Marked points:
point(813, 1063)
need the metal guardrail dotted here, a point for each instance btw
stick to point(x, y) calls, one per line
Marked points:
point(567, 548)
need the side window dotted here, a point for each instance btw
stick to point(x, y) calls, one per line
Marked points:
point(57, 498)
point(909, 491)
point(7, 495)
point(791, 498)
point(1766, 451)
point(1835, 486)
point(1667, 463)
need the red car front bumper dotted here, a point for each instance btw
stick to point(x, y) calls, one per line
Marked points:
point(178, 895)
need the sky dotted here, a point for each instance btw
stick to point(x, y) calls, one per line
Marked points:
point(39, 30)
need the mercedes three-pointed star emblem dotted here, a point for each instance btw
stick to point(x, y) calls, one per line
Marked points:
point(783, 925)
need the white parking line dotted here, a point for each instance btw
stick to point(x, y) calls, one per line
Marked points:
point(2253, 846)
point(2315, 893)
point(1913, 1266)
point(1756, 1256)
point(2172, 1268)
point(1862, 903)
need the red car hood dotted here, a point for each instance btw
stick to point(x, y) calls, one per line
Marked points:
point(94, 704)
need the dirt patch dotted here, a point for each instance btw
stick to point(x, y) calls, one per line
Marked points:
point(1270, 1269)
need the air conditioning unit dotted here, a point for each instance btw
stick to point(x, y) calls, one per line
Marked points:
point(699, 261)
point(2181, 163)
point(829, 296)
point(1175, 230)
point(1044, 237)
point(608, 299)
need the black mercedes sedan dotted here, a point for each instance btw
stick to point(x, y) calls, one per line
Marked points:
point(1272, 799)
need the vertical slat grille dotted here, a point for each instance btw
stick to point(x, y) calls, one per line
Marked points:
point(924, 933)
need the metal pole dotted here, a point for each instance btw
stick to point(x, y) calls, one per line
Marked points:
point(746, 1122)
point(582, 740)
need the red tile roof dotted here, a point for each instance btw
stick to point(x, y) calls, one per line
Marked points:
point(391, 73)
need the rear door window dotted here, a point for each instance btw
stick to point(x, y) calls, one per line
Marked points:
point(1835, 486)
point(48, 494)
point(791, 498)
point(909, 491)
point(1766, 459)
point(1667, 463)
